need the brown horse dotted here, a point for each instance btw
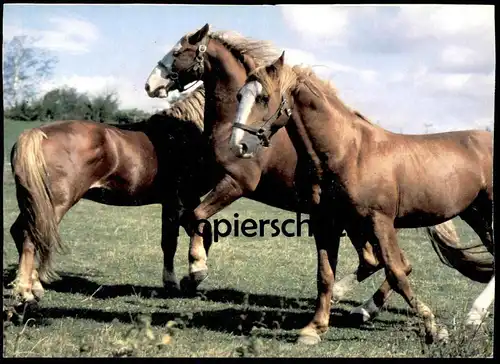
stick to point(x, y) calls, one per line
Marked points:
point(277, 177)
point(368, 181)
point(158, 161)
point(132, 165)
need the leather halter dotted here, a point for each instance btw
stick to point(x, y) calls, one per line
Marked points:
point(197, 65)
point(263, 133)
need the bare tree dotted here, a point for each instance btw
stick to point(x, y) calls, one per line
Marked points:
point(24, 68)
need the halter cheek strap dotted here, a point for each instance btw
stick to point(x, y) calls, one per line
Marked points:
point(263, 133)
point(197, 66)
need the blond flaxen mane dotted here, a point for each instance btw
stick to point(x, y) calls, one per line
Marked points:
point(291, 78)
point(263, 53)
point(190, 108)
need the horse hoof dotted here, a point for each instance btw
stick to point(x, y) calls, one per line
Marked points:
point(443, 335)
point(309, 339)
point(172, 288)
point(38, 293)
point(361, 314)
point(199, 276)
point(474, 321)
point(25, 298)
point(431, 337)
point(188, 286)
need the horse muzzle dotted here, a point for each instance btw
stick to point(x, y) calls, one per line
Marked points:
point(162, 90)
point(247, 147)
point(241, 151)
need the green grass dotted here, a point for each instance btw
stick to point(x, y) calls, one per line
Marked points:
point(12, 129)
point(113, 274)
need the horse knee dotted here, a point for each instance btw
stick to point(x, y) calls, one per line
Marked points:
point(325, 280)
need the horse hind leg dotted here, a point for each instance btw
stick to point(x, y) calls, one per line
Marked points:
point(478, 216)
point(479, 309)
point(371, 307)
point(368, 265)
point(391, 256)
point(25, 288)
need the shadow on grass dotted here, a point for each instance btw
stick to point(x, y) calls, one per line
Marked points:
point(259, 310)
point(235, 321)
point(73, 283)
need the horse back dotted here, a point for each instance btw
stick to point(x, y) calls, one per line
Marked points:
point(101, 155)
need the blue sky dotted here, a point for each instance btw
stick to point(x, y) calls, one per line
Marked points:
point(402, 66)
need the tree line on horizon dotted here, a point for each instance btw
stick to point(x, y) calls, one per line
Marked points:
point(26, 67)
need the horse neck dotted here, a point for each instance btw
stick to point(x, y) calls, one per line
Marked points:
point(224, 76)
point(330, 132)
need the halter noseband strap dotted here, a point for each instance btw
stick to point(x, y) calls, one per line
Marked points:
point(262, 133)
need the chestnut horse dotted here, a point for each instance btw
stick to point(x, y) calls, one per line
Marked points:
point(158, 161)
point(277, 177)
point(162, 160)
point(369, 181)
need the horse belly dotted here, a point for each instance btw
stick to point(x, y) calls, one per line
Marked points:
point(119, 197)
point(430, 205)
point(123, 189)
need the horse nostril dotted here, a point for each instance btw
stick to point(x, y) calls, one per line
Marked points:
point(147, 87)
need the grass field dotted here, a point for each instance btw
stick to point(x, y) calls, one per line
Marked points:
point(109, 299)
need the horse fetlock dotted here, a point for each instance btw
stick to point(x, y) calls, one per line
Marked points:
point(199, 275)
point(198, 266)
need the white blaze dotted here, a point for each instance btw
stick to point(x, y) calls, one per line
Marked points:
point(157, 77)
point(248, 94)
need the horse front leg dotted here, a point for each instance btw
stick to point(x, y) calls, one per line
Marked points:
point(170, 222)
point(226, 192)
point(327, 238)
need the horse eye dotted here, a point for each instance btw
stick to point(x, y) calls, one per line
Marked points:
point(263, 99)
point(176, 53)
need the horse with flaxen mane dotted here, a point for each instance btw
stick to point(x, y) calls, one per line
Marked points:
point(368, 181)
point(157, 161)
point(278, 176)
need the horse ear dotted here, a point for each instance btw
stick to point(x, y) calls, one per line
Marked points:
point(199, 35)
point(278, 64)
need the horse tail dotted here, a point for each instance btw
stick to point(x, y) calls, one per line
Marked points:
point(446, 244)
point(35, 199)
